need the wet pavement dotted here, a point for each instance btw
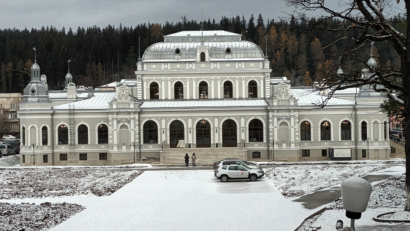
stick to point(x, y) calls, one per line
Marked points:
point(319, 198)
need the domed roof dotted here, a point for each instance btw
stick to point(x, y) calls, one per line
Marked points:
point(68, 76)
point(372, 63)
point(217, 50)
point(35, 66)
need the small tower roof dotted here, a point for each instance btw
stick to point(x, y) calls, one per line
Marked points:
point(35, 66)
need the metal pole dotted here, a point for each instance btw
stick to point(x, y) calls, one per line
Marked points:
point(34, 156)
point(352, 225)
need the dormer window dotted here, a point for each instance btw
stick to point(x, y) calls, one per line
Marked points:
point(228, 51)
point(177, 51)
point(202, 56)
point(33, 91)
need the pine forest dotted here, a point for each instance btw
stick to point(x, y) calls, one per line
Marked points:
point(102, 55)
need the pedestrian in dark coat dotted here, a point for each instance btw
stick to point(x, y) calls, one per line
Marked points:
point(186, 159)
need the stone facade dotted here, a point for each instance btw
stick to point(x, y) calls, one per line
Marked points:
point(214, 98)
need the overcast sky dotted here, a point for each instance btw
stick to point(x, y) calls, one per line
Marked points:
point(29, 14)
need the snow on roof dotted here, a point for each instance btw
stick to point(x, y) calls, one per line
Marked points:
point(202, 33)
point(203, 103)
point(99, 101)
point(309, 97)
point(60, 95)
point(352, 90)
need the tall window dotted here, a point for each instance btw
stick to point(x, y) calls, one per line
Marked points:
point(82, 134)
point(202, 56)
point(63, 134)
point(253, 89)
point(203, 90)
point(228, 89)
point(24, 135)
point(305, 131)
point(102, 134)
point(364, 130)
point(255, 131)
point(325, 130)
point(346, 130)
point(153, 91)
point(178, 90)
point(150, 132)
point(44, 135)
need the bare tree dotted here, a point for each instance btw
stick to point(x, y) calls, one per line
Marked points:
point(371, 19)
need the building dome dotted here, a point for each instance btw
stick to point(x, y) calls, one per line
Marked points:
point(340, 71)
point(68, 76)
point(35, 66)
point(372, 63)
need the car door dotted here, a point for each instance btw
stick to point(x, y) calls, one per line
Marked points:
point(233, 171)
point(243, 172)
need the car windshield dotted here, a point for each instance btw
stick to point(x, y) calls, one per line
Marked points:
point(2, 146)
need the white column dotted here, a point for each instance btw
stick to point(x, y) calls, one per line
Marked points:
point(245, 130)
point(212, 91)
point(115, 141)
point(292, 130)
point(187, 89)
point(145, 90)
point(380, 131)
point(219, 88)
point(190, 128)
point(163, 130)
point(169, 89)
point(216, 131)
point(132, 128)
point(275, 129)
point(261, 88)
point(237, 88)
point(194, 96)
point(163, 88)
point(243, 88)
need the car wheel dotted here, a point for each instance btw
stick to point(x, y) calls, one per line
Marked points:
point(253, 177)
point(224, 178)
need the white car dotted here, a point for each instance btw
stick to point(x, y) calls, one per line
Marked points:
point(9, 137)
point(236, 171)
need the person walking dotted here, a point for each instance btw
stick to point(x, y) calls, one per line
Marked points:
point(193, 159)
point(186, 159)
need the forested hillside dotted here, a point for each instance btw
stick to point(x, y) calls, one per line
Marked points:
point(101, 55)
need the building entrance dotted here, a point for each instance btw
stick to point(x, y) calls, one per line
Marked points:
point(176, 133)
point(229, 134)
point(203, 134)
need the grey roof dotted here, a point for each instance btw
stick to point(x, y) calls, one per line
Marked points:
point(99, 101)
point(205, 33)
point(203, 104)
point(217, 50)
point(63, 95)
point(69, 75)
point(309, 97)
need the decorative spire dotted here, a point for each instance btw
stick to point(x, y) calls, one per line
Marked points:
point(371, 49)
point(340, 71)
point(139, 48)
point(68, 62)
point(372, 63)
point(35, 54)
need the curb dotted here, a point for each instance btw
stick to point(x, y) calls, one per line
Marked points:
point(307, 218)
point(376, 218)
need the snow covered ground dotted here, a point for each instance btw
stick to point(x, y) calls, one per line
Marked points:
point(47, 182)
point(297, 180)
point(184, 200)
point(6, 161)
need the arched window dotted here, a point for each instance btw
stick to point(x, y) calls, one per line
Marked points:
point(82, 134)
point(202, 56)
point(203, 90)
point(24, 135)
point(253, 89)
point(305, 130)
point(346, 130)
point(153, 91)
point(63, 134)
point(325, 130)
point(228, 89)
point(44, 135)
point(102, 134)
point(178, 90)
point(255, 131)
point(150, 132)
point(364, 130)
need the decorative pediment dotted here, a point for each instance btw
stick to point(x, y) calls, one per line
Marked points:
point(122, 95)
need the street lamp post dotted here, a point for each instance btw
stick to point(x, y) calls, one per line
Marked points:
point(132, 144)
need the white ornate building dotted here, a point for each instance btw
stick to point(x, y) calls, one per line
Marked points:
point(207, 93)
